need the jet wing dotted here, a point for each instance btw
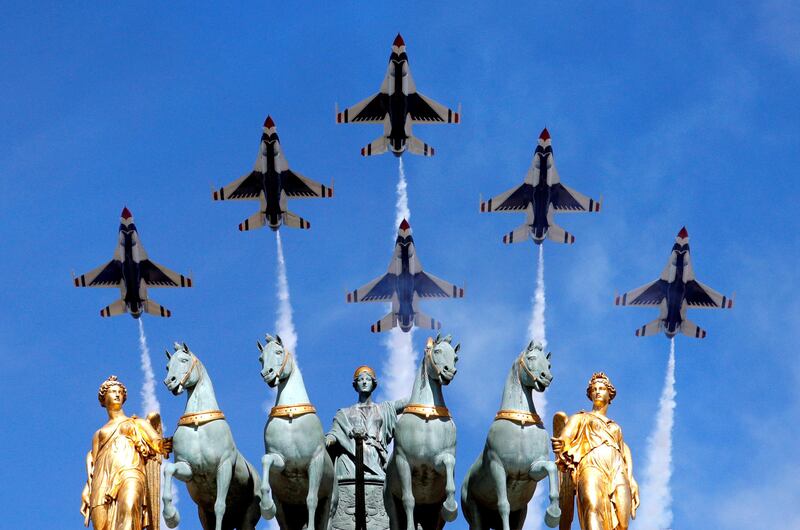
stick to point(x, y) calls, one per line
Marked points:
point(702, 296)
point(248, 187)
point(370, 110)
point(155, 275)
point(106, 275)
point(425, 110)
point(429, 286)
point(296, 186)
point(514, 200)
point(566, 199)
point(647, 295)
point(380, 289)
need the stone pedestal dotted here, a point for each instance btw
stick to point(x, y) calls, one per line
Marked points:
point(345, 516)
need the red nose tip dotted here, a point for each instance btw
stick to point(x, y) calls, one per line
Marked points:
point(683, 233)
point(268, 123)
point(398, 41)
point(545, 134)
point(126, 214)
point(404, 225)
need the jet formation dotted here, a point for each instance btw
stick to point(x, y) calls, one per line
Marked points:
point(272, 183)
point(132, 271)
point(404, 285)
point(398, 106)
point(540, 196)
point(673, 293)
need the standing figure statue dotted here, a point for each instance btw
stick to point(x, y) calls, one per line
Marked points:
point(420, 477)
point(595, 462)
point(299, 484)
point(364, 429)
point(123, 467)
point(501, 482)
point(223, 484)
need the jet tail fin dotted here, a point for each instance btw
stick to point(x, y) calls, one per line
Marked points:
point(690, 329)
point(421, 320)
point(295, 221)
point(155, 309)
point(257, 220)
point(651, 328)
point(559, 235)
point(385, 324)
point(518, 235)
point(117, 308)
point(378, 146)
point(418, 147)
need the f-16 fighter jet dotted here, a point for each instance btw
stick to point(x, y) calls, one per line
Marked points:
point(271, 183)
point(398, 106)
point(541, 196)
point(674, 292)
point(132, 272)
point(404, 285)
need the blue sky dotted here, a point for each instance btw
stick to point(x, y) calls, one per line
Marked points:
point(677, 115)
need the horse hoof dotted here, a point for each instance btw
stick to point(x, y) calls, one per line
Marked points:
point(449, 511)
point(552, 516)
point(268, 509)
point(172, 518)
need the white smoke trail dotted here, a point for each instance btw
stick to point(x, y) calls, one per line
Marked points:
point(536, 331)
point(284, 324)
point(656, 509)
point(149, 399)
point(400, 366)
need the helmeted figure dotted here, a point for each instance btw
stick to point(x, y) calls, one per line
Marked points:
point(122, 488)
point(596, 463)
point(373, 423)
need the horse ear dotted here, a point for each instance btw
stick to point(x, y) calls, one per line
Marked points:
point(185, 348)
point(168, 355)
point(530, 345)
point(438, 338)
point(269, 338)
point(260, 347)
point(278, 340)
point(548, 355)
point(458, 347)
point(176, 346)
point(448, 339)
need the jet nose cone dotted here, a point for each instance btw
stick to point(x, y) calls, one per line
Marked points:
point(268, 123)
point(683, 233)
point(126, 214)
point(404, 225)
point(545, 134)
point(398, 41)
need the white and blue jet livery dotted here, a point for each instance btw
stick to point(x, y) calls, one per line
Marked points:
point(675, 291)
point(398, 106)
point(272, 183)
point(540, 197)
point(404, 285)
point(132, 272)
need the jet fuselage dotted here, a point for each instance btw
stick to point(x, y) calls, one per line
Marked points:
point(131, 275)
point(405, 286)
point(398, 105)
point(676, 292)
point(541, 197)
point(271, 183)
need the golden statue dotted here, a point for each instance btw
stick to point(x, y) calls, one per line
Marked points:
point(595, 463)
point(123, 486)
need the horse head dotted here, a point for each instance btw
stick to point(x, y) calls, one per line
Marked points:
point(441, 358)
point(534, 367)
point(276, 361)
point(181, 369)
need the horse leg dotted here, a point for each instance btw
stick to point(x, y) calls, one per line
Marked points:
point(182, 472)
point(471, 511)
point(404, 475)
point(498, 474)
point(389, 501)
point(315, 470)
point(267, 505)
point(224, 474)
point(446, 463)
point(547, 468)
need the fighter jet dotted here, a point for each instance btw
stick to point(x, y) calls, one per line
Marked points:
point(404, 285)
point(541, 196)
point(132, 272)
point(398, 106)
point(674, 292)
point(271, 183)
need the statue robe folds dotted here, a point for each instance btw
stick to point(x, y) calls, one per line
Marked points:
point(120, 470)
point(597, 444)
